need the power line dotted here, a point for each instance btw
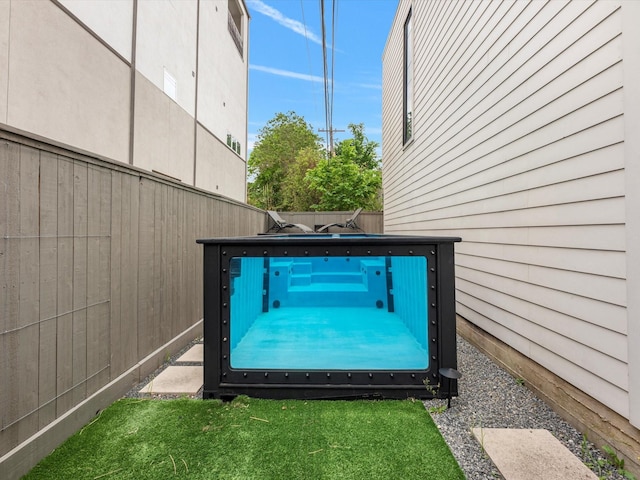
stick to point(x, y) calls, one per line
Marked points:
point(329, 75)
point(306, 38)
point(325, 68)
point(330, 132)
point(333, 63)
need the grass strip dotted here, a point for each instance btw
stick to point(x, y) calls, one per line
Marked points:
point(255, 439)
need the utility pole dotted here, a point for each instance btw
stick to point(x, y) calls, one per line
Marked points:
point(330, 131)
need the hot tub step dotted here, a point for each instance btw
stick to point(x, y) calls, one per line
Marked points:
point(353, 296)
point(339, 278)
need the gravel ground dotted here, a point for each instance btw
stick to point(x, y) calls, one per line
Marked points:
point(488, 397)
point(135, 391)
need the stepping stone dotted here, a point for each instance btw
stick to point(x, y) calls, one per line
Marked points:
point(524, 454)
point(176, 380)
point(194, 354)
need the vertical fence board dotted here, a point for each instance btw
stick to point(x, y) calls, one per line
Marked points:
point(217, 223)
point(80, 212)
point(27, 340)
point(160, 239)
point(222, 224)
point(190, 244)
point(229, 218)
point(211, 218)
point(128, 342)
point(47, 373)
point(173, 255)
point(202, 221)
point(48, 287)
point(104, 279)
point(199, 233)
point(129, 275)
point(9, 229)
point(180, 245)
point(64, 327)
point(29, 302)
point(190, 257)
point(9, 432)
point(156, 280)
point(93, 284)
point(146, 334)
point(179, 252)
point(196, 281)
point(9, 283)
point(167, 257)
point(115, 335)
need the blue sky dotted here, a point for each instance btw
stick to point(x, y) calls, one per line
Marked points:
point(286, 65)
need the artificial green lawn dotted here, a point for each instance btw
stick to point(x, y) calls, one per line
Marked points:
point(255, 439)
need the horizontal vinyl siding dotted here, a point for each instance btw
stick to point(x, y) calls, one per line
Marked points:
point(518, 148)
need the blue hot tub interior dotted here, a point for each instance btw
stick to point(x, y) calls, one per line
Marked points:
point(329, 313)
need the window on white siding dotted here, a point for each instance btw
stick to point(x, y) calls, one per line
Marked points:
point(234, 23)
point(407, 130)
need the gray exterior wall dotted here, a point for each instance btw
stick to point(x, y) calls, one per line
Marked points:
point(93, 76)
point(100, 277)
point(525, 144)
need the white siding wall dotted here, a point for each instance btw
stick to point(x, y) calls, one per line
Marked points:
point(519, 149)
point(631, 55)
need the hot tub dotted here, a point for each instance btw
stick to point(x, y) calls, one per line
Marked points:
point(328, 316)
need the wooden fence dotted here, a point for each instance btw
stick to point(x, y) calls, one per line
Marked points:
point(100, 278)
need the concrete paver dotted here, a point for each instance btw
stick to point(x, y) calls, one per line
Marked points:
point(194, 354)
point(177, 380)
point(524, 454)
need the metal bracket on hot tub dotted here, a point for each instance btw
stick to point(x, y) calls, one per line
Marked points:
point(449, 374)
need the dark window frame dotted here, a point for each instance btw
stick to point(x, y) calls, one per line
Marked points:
point(234, 24)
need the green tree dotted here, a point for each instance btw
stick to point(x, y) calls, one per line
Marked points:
point(296, 193)
point(352, 178)
point(274, 159)
point(343, 185)
point(359, 149)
